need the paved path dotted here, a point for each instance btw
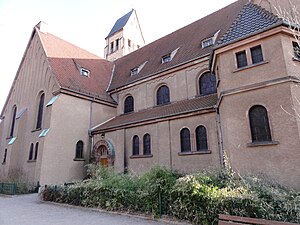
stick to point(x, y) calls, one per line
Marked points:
point(29, 210)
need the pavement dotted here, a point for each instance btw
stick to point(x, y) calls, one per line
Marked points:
point(30, 210)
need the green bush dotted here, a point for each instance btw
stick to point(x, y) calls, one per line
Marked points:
point(198, 198)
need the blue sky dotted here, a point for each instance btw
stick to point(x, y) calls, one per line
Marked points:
point(86, 24)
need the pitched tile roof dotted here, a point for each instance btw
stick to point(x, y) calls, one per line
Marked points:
point(120, 23)
point(159, 112)
point(252, 19)
point(187, 39)
point(66, 60)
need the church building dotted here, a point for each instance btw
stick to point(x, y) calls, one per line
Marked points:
point(226, 84)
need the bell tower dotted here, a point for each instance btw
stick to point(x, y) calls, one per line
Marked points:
point(125, 36)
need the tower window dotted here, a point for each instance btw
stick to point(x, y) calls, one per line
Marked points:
point(117, 44)
point(111, 47)
point(129, 43)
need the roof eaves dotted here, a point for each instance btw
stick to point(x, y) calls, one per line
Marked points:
point(187, 113)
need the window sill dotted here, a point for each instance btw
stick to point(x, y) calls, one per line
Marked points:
point(194, 153)
point(79, 159)
point(141, 156)
point(250, 66)
point(38, 129)
point(263, 143)
point(31, 161)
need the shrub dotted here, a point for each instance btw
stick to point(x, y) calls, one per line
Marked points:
point(198, 198)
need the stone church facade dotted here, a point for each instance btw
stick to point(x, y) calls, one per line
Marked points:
point(220, 85)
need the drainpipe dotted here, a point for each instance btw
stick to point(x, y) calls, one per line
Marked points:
point(125, 153)
point(91, 138)
point(170, 144)
point(220, 137)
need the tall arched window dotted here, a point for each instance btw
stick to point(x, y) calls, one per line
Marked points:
point(31, 152)
point(259, 124)
point(185, 140)
point(201, 138)
point(147, 144)
point(4, 157)
point(79, 150)
point(40, 111)
point(135, 145)
point(36, 150)
point(162, 95)
point(129, 104)
point(207, 84)
point(13, 122)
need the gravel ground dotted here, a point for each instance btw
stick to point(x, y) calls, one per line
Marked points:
point(29, 210)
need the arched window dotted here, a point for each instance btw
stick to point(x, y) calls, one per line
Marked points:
point(40, 112)
point(185, 140)
point(147, 144)
point(129, 104)
point(13, 121)
point(259, 124)
point(36, 150)
point(135, 145)
point(79, 150)
point(201, 138)
point(207, 84)
point(162, 95)
point(4, 157)
point(31, 152)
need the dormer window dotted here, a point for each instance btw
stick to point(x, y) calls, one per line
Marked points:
point(166, 58)
point(84, 72)
point(210, 40)
point(207, 42)
point(169, 57)
point(134, 71)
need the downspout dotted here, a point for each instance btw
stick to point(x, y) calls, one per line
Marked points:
point(170, 144)
point(125, 154)
point(220, 137)
point(91, 138)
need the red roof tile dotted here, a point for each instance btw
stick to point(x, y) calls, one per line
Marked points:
point(158, 112)
point(66, 60)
